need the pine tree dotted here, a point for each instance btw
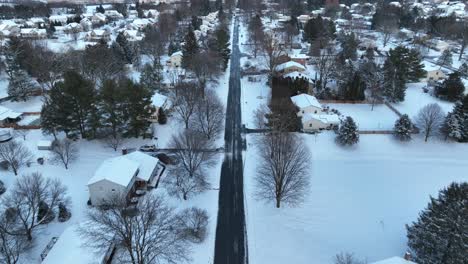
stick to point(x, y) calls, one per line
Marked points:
point(355, 88)
point(415, 66)
point(348, 133)
point(190, 49)
point(440, 235)
point(64, 214)
point(222, 45)
point(122, 41)
point(349, 46)
point(403, 128)
point(138, 109)
point(463, 70)
point(151, 76)
point(112, 107)
point(162, 118)
point(445, 58)
point(44, 214)
point(172, 48)
point(452, 89)
point(20, 86)
point(452, 128)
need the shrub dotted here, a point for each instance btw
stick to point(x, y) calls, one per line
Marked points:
point(192, 224)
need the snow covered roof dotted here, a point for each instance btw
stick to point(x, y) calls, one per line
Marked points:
point(305, 100)
point(394, 260)
point(119, 170)
point(289, 64)
point(58, 18)
point(177, 53)
point(159, 100)
point(44, 143)
point(326, 119)
point(69, 249)
point(147, 164)
point(8, 113)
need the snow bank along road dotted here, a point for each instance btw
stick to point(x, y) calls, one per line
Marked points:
point(230, 244)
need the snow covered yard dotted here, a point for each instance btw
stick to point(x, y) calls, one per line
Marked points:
point(381, 118)
point(33, 104)
point(359, 201)
point(416, 99)
point(91, 155)
point(254, 94)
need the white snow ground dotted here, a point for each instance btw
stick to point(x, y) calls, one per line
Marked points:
point(359, 199)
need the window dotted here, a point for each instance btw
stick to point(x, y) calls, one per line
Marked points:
point(113, 190)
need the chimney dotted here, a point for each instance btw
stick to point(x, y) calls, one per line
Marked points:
point(407, 256)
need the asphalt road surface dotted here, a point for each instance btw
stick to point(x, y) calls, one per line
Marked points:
point(230, 244)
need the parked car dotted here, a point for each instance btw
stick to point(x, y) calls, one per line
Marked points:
point(148, 148)
point(167, 159)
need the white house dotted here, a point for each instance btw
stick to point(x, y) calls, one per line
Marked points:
point(98, 18)
point(97, 35)
point(435, 75)
point(33, 33)
point(290, 66)
point(71, 248)
point(123, 175)
point(8, 116)
point(307, 104)
point(176, 59)
point(314, 122)
point(159, 101)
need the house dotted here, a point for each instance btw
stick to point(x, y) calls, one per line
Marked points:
point(113, 14)
point(300, 58)
point(435, 75)
point(133, 35)
point(290, 66)
point(97, 35)
point(33, 33)
point(124, 175)
point(314, 122)
point(98, 19)
point(6, 134)
point(159, 101)
point(8, 116)
point(307, 104)
point(62, 19)
point(141, 23)
point(70, 248)
point(73, 28)
point(396, 260)
point(303, 19)
point(175, 60)
point(44, 145)
point(9, 28)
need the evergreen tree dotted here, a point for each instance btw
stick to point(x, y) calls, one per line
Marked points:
point(403, 128)
point(100, 9)
point(349, 46)
point(222, 45)
point(440, 235)
point(394, 87)
point(151, 76)
point(44, 214)
point(463, 70)
point(162, 118)
point(452, 128)
point(122, 41)
point(190, 49)
point(319, 29)
point(112, 106)
point(452, 89)
point(138, 108)
point(172, 48)
point(355, 88)
point(348, 133)
point(64, 214)
point(415, 66)
point(445, 58)
point(20, 86)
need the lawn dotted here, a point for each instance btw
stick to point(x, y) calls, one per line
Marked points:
point(359, 199)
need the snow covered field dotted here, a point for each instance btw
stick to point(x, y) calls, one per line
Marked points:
point(359, 201)
point(254, 94)
point(381, 118)
point(91, 154)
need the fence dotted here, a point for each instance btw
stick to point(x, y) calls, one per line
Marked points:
point(16, 126)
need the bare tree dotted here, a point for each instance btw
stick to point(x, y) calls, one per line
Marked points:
point(372, 76)
point(64, 151)
point(283, 169)
point(114, 141)
point(205, 64)
point(192, 223)
point(194, 152)
point(346, 258)
point(260, 117)
point(21, 133)
point(429, 120)
point(388, 28)
point(25, 198)
point(272, 52)
point(153, 44)
point(210, 115)
point(11, 246)
point(147, 232)
point(185, 101)
point(256, 33)
point(324, 64)
point(16, 154)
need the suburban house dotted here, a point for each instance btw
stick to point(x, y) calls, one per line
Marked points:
point(307, 104)
point(70, 248)
point(314, 122)
point(33, 33)
point(124, 175)
point(98, 19)
point(97, 35)
point(159, 101)
point(8, 116)
point(176, 59)
point(290, 66)
point(133, 35)
point(300, 58)
point(435, 75)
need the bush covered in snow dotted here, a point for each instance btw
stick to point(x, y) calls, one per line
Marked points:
point(192, 224)
point(403, 128)
point(348, 132)
point(64, 214)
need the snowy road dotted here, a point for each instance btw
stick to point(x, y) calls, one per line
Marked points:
point(230, 246)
